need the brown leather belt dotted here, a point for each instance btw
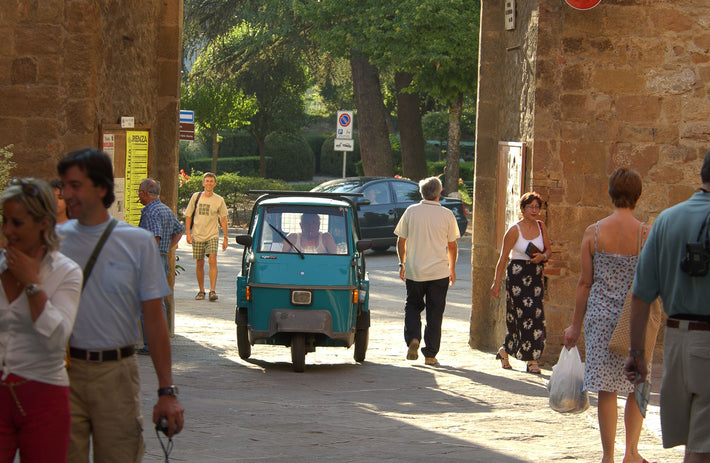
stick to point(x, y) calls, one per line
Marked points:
point(692, 326)
point(101, 355)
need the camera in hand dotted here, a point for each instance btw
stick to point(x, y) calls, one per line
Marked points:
point(162, 425)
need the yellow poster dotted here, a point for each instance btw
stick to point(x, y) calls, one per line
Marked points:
point(136, 170)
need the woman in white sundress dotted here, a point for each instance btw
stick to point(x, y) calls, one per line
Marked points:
point(608, 262)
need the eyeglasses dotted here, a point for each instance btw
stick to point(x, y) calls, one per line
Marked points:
point(532, 207)
point(28, 188)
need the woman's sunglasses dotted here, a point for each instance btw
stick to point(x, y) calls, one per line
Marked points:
point(28, 188)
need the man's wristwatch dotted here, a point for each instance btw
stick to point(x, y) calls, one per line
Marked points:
point(172, 390)
point(32, 289)
point(400, 265)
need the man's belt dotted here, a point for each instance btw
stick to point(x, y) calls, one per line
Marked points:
point(102, 355)
point(691, 325)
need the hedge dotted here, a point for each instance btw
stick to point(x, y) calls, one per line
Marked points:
point(289, 157)
point(331, 161)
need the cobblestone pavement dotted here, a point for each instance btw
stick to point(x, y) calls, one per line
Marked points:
point(466, 409)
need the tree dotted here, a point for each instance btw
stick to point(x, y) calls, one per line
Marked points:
point(410, 128)
point(217, 106)
point(375, 148)
point(261, 63)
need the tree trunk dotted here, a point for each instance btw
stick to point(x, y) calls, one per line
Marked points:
point(410, 129)
point(215, 150)
point(453, 149)
point(375, 148)
point(261, 144)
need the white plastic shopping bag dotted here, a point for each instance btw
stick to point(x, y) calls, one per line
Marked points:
point(567, 394)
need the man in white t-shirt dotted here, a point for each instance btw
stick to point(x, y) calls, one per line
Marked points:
point(205, 212)
point(427, 250)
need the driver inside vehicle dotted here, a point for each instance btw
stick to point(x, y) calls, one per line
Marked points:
point(311, 240)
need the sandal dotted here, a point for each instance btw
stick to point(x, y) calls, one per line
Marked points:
point(533, 368)
point(504, 363)
point(213, 296)
point(200, 296)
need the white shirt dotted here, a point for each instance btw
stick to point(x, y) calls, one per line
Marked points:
point(36, 350)
point(428, 228)
point(127, 272)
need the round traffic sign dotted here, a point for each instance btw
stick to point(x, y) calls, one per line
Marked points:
point(344, 120)
point(583, 4)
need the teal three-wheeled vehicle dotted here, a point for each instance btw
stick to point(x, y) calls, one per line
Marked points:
point(303, 282)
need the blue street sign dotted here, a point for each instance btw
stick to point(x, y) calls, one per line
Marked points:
point(187, 116)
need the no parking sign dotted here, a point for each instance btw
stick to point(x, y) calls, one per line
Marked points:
point(345, 124)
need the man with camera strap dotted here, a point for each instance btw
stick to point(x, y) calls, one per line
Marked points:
point(674, 264)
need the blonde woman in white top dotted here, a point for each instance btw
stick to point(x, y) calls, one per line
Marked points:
point(39, 296)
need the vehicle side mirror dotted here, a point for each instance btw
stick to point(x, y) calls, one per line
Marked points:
point(362, 245)
point(244, 239)
point(363, 201)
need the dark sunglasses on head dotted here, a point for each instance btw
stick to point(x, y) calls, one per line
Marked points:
point(28, 188)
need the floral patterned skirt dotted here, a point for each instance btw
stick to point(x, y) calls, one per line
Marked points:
point(524, 317)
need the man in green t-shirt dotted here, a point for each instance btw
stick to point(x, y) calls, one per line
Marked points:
point(205, 212)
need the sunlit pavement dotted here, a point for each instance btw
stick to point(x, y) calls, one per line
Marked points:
point(465, 409)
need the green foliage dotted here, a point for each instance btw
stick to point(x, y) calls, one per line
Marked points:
point(237, 143)
point(435, 125)
point(291, 158)
point(6, 165)
point(465, 169)
point(247, 166)
point(315, 141)
point(189, 151)
point(331, 161)
point(218, 105)
point(233, 188)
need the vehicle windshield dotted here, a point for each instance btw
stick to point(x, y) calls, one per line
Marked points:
point(343, 186)
point(304, 230)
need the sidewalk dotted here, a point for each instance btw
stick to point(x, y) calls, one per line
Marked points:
point(467, 409)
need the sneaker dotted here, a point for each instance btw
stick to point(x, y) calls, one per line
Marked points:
point(431, 361)
point(412, 349)
point(143, 351)
point(213, 296)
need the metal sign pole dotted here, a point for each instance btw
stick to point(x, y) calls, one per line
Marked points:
point(345, 155)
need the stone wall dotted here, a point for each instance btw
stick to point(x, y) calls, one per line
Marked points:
point(506, 100)
point(623, 84)
point(66, 67)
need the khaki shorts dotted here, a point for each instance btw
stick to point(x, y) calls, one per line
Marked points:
point(685, 392)
point(200, 249)
point(106, 407)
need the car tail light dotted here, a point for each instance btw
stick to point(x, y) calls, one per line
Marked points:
point(356, 296)
point(248, 291)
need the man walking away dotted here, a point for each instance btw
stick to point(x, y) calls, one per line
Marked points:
point(674, 265)
point(427, 250)
point(205, 212)
point(158, 219)
point(124, 279)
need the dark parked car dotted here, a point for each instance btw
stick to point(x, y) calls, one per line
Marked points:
point(383, 203)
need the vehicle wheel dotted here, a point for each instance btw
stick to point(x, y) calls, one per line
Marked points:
point(243, 345)
point(362, 337)
point(298, 352)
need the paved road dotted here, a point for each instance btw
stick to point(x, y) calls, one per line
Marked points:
point(466, 409)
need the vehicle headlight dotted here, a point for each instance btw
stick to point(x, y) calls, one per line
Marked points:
point(301, 297)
